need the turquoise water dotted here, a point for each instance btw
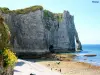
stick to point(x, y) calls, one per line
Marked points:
point(89, 49)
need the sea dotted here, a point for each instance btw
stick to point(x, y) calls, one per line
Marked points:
point(89, 49)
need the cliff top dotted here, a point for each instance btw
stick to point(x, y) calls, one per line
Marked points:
point(26, 10)
point(21, 11)
point(47, 13)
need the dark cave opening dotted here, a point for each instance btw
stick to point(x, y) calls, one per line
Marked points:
point(51, 49)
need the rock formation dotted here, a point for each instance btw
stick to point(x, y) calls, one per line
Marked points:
point(35, 31)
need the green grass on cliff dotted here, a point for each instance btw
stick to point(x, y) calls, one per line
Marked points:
point(59, 16)
point(4, 10)
point(47, 17)
point(48, 14)
point(51, 16)
point(21, 11)
point(29, 9)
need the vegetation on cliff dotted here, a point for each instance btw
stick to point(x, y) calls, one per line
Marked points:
point(4, 10)
point(29, 9)
point(59, 16)
point(4, 34)
point(7, 57)
point(47, 13)
point(48, 16)
point(21, 11)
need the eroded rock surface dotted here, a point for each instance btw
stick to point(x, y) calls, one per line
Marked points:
point(34, 32)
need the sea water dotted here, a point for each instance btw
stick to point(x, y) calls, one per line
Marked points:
point(89, 49)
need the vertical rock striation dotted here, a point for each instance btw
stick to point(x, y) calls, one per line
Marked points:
point(62, 32)
point(66, 33)
point(34, 32)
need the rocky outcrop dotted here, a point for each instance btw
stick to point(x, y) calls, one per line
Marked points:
point(61, 33)
point(34, 32)
point(66, 33)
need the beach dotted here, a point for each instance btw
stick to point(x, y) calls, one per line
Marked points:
point(55, 64)
point(70, 67)
point(24, 67)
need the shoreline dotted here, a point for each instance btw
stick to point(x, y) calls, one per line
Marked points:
point(55, 64)
point(72, 68)
point(67, 66)
point(90, 58)
point(88, 62)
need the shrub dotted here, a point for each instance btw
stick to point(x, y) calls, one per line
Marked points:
point(48, 14)
point(58, 16)
point(9, 58)
point(4, 10)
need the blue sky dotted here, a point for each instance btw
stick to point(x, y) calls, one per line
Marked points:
point(86, 14)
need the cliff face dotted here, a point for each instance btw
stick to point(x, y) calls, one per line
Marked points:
point(61, 32)
point(66, 32)
point(36, 31)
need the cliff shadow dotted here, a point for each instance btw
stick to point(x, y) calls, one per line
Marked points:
point(20, 63)
point(54, 57)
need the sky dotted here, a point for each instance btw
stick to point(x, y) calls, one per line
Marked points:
point(86, 14)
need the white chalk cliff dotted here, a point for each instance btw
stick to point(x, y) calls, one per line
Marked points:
point(34, 32)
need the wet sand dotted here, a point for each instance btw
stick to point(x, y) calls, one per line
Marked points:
point(66, 66)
